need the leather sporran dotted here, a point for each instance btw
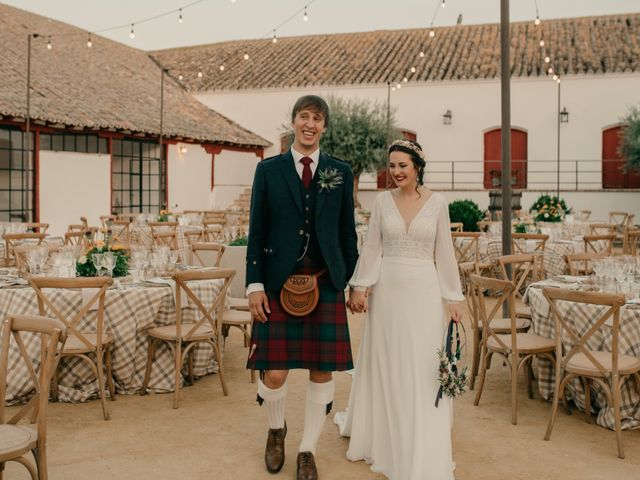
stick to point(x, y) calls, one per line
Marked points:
point(300, 294)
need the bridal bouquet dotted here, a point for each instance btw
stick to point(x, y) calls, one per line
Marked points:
point(453, 382)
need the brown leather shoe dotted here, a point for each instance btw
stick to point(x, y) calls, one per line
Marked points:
point(306, 467)
point(274, 453)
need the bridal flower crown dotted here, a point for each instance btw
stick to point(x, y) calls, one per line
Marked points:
point(410, 146)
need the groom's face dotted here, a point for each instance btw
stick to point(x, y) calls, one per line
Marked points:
point(308, 126)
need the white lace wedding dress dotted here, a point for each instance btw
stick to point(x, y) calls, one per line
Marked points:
point(391, 418)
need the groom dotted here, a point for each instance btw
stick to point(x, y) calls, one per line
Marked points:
point(302, 221)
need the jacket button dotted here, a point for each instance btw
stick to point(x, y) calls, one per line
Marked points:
point(255, 262)
point(301, 232)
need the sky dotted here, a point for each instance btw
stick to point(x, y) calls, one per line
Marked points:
point(209, 21)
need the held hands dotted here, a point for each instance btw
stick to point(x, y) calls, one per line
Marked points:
point(358, 302)
point(259, 306)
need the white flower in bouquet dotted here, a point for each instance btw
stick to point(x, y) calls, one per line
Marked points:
point(82, 260)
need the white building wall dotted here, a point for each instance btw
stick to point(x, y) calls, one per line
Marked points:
point(232, 176)
point(73, 185)
point(189, 178)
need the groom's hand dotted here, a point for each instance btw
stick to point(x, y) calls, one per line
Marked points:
point(258, 305)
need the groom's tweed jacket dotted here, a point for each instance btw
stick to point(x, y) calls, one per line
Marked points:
point(278, 223)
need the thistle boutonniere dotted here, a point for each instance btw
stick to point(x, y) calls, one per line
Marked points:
point(329, 179)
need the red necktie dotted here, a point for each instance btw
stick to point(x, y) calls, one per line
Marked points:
point(306, 171)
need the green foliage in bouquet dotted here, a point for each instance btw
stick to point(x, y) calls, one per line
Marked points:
point(467, 212)
point(549, 208)
point(521, 228)
point(452, 382)
point(86, 268)
point(239, 242)
point(164, 216)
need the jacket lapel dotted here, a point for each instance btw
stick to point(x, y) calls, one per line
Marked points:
point(323, 163)
point(292, 178)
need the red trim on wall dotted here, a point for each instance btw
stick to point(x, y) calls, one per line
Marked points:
point(36, 175)
point(216, 148)
point(110, 147)
point(165, 165)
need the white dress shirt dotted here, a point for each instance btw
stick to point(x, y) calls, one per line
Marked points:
point(315, 156)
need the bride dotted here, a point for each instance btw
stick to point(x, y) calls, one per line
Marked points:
point(406, 272)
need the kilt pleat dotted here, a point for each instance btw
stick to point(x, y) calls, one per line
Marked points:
point(318, 341)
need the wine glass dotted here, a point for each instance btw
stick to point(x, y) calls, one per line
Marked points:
point(173, 258)
point(96, 258)
point(109, 262)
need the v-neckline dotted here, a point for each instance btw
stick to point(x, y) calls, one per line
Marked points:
point(407, 226)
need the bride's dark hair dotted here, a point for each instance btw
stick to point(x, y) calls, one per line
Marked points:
point(414, 150)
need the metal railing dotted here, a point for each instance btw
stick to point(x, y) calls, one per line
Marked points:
point(573, 175)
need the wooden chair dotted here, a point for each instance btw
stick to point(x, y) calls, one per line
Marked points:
point(633, 242)
point(519, 242)
point(37, 227)
point(207, 328)
point(105, 221)
point(576, 360)
point(20, 253)
point(618, 219)
point(243, 321)
point(120, 231)
point(499, 324)
point(206, 254)
point(602, 229)
point(585, 214)
point(517, 348)
point(628, 228)
point(524, 268)
point(192, 236)
point(599, 243)
point(12, 240)
point(16, 439)
point(81, 340)
point(212, 233)
point(456, 226)
point(465, 245)
point(165, 234)
point(580, 263)
point(81, 237)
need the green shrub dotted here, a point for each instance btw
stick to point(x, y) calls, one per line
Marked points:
point(630, 145)
point(467, 212)
point(549, 208)
point(239, 242)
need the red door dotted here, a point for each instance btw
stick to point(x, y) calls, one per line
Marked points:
point(613, 175)
point(493, 164)
point(383, 173)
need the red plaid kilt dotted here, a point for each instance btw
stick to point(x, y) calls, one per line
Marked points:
point(318, 341)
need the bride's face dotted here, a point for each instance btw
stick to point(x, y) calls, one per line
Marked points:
point(402, 170)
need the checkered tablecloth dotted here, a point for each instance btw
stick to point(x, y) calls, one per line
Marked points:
point(129, 313)
point(582, 316)
point(141, 234)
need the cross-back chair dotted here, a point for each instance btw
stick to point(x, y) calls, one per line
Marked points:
point(633, 242)
point(21, 251)
point(628, 228)
point(212, 233)
point(85, 335)
point(517, 348)
point(37, 227)
point(581, 263)
point(120, 230)
point(206, 254)
point(14, 239)
point(83, 238)
point(465, 246)
point(456, 226)
point(18, 439)
point(164, 234)
point(537, 242)
point(524, 269)
point(105, 220)
point(192, 236)
point(599, 243)
point(182, 337)
point(602, 229)
point(574, 358)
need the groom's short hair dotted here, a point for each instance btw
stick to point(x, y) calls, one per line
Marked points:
point(314, 103)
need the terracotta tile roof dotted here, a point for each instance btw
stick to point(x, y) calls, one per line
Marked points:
point(589, 45)
point(107, 86)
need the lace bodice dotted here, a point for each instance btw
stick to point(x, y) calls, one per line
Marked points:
point(428, 237)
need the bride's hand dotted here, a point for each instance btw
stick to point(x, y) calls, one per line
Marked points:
point(456, 312)
point(358, 301)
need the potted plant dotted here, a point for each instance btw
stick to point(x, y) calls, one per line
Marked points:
point(549, 208)
point(466, 212)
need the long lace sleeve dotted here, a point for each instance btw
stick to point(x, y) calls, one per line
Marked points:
point(445, 257)
point(368, 266)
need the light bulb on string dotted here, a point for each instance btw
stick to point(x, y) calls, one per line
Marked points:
point(542, 43)
point(547, 59)
point(550, 71)
point(555, 77)
point(413, 69)
point(275, 37)
point(444, 4)
point(89, 42)
point(199, 74)
point(305, 17)
point(49, 46)
point(405, 79)
point(246, 56)
point(536, 22)
point(221, 67)
point(399, 86)
point(432, 33)
point(393, 89)
point(180, 16)
point(421, 54)
point(132, 35)
point(558, 80)
point(180, 77)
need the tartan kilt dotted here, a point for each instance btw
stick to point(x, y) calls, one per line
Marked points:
point(318, 341)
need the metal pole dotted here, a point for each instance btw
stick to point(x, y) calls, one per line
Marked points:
point(28, 119)
point(163, 70)
point(387, 180)
point(505, 74)
point(558, 153)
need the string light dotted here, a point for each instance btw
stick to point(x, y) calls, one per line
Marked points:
point(246, 56)
point(221, 67)
point(558, 80)
point(421, 54)
point(49, 46)
point(199, 74)
point(542, 43)
point(180, 77)
point(132, 35)
point(444, 4)
point(432, 33)
point(550, 71)
point(555, 77)
point(305, 17)
point(537, 22)
point(180, 16)
point(275, 37)
point(399, 86)
point(89, 42)
point(413, 69)
point(405, 79)
point(393, 89)
point(547, 59)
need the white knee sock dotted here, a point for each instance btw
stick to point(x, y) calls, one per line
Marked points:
point(274, 400)
point(319, 395)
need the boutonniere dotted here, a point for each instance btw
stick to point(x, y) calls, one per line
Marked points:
point(329, 179)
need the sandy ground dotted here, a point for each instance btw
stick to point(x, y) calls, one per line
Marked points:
point(215, 437)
